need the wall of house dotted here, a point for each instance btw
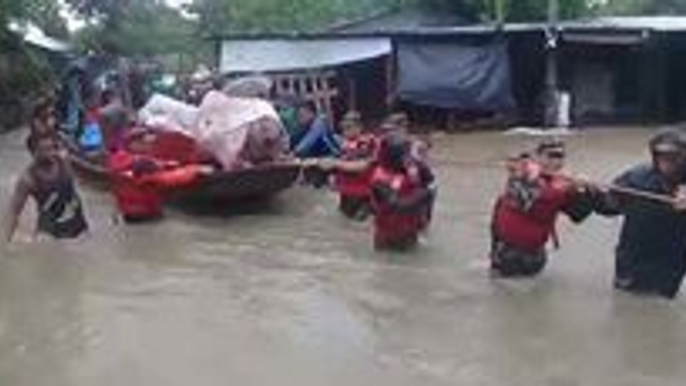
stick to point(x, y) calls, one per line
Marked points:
point(528, 66)
point(674, 46)
point(606, 83)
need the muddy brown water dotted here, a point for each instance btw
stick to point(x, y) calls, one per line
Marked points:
point(291, 294)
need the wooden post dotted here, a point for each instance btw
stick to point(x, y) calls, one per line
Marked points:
point(352, 94)
point(390, 79)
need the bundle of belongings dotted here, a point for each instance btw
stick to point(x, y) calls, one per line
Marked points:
point(238, 132)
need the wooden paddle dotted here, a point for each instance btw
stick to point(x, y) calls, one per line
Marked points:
point(641, 194)
point(638, 193)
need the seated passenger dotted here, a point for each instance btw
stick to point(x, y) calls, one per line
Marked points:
point(318, 138)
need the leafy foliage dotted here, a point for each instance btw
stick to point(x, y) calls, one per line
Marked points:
point(304, 15)
point(645, 7)
point(135, 28)
point(46, 15)
point(281, 15)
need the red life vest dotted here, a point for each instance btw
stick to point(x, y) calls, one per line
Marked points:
point(356, 184)
point(143, 196)
point(133, 198)
point(531, 230)
point(389, 225)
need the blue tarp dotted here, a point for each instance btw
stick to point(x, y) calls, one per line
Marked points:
point(454, 76)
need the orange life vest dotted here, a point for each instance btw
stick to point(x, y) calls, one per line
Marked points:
point(142, 196)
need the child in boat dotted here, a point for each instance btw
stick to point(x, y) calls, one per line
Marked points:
point(399, 199)
point(49, 181)
point(526, 213)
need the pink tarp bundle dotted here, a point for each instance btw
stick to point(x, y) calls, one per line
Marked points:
point(238, 132)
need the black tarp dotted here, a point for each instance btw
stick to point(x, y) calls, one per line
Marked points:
point(452, 75)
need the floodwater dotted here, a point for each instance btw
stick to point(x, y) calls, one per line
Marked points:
point(294, 295)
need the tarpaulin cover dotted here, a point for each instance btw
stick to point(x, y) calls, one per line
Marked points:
point(167, 114)
point(240, 131)
point(274, 55)
point(454, 76)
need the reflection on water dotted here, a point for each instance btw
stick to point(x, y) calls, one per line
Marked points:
point(294, 295)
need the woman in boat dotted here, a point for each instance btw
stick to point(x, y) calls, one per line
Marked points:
point(51, 184)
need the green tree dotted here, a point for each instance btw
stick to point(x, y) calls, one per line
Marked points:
point(511, 10)
point(46, 15)
point(281, 15)
point(134, 28)
point(307, 15)
point(10, 10)
point(644, 7)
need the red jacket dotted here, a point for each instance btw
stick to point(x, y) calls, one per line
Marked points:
point(391, 224)
point(531, 229)
point(356, 184)
point(142, 196)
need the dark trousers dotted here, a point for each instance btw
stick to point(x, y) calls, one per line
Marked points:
point(665, 281)
point(132, 220)
point(399, 245)
point(356, 208)
point(509, 261)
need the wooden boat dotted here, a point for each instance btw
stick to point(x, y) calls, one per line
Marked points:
point(257, 182)
point(252, 183)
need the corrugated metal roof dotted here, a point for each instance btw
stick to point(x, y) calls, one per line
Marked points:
point(653, 23)
point(624, 38)
point(602, 24)
point(274, 55)
point(467, 30)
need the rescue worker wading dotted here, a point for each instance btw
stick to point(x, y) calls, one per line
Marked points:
point(357, 155)
point(651, 253)
point(399, 200)
point(525, 215)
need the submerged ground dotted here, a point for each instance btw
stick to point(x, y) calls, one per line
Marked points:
point(294, 295)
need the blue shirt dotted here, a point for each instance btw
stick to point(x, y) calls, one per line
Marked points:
point(318, 141)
